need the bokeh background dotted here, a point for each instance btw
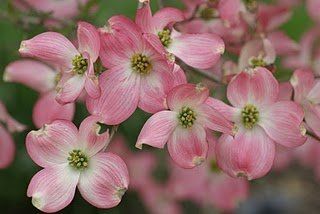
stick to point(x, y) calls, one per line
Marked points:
point(292, 191)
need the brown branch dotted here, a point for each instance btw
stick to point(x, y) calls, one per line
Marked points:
point(186, 68)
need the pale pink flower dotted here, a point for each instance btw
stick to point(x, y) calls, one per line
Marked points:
point(197, 50)
point(309, 55)
point(269, 20)
point(137, 76)
point(261, 120)
point(159, 199)
point(77, 65)
point(42, 79)
point(71, 159)
point(256, 53)
point(306, 93)
point(212, 187)
point(59, 10)
point(7, 147)
point(271, 17)
point(184, 125)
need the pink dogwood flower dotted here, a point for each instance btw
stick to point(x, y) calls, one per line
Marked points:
point(77, 65)
point(7, 147)
point(262, 122)
point(42, 79)
point(257, 53)
point(306, 93)
point(137, 75)
point(58, 10)
point(71, 159)
point(184, 125)
point(197, 50)
point(308, 56)
point(213, 187)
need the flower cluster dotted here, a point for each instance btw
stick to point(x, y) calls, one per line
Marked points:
point(148, 63)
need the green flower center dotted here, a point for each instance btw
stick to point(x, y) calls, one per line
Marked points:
point(257, 62)
point(208, 13)
point(165, 37)
point(186, 117)
point(250, 116)
point(77, 159)
point(57, 78)
point(141, 64)
point(79, 64)
point(251, 5)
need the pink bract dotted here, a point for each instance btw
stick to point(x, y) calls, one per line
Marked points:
point(184, 125)
point(262, 121)
point(43, 79)
point(137, 76)
point(197, 50)
point(77, 65)
point(74, 158)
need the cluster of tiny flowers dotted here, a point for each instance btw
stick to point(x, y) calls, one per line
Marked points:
point(149, 63)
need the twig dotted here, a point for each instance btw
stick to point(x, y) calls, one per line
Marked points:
point(186, 67)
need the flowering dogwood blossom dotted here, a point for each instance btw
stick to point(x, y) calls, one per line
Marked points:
point(197, 50)
point(77, 65)
point(262, 121)
point(138, 75)
point(71, 159)
point(7, 147)
point(184, 125)
point(212, 186)
point(42, 79)
point(306, 93)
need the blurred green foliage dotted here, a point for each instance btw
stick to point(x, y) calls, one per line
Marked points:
point(20, 100)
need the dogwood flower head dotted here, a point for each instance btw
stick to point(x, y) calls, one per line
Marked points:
point(306, 93)
point(256, 53)
point(77, 65)
point(184, 125)
point(213, 187)
point(197, 50)
point(261, 122)
point(42, 79)
point(58, 10)
point(7, 147)
point(308, 56)
point(158, 199)
point(71, 159)
point(233, 11)
point(138, 75)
